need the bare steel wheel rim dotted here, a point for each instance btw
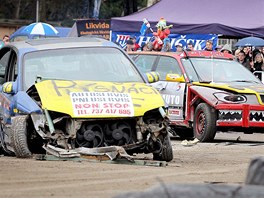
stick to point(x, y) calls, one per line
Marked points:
point(200, 123)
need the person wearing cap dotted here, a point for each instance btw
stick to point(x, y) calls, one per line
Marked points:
point(226, 49)
point(179, 48)
point(209, 45)
point(218, 48)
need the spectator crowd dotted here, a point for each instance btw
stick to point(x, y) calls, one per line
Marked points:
point(250, 57)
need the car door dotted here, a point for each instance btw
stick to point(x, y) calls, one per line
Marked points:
point(8, 72)
point(173, 93)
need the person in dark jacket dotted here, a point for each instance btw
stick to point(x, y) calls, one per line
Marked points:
point(209, 45)
point(242, 60)
point(258, 65)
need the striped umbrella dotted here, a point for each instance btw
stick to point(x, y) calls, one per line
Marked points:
point(40, 28)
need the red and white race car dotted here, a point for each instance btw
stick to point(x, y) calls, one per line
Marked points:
point(206, 92)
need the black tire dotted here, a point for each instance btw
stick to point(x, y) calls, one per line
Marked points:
point(19, 137)
point(204, 125)
point(166, 153)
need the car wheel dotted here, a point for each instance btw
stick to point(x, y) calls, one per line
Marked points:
point(204, 123)
point(19, 137)
point(166, 153)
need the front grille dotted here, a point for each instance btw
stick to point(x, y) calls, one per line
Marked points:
point(256, 116)
point(235, 115)
point(227, 115)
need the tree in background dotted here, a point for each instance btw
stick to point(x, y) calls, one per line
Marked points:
point(130, 6)
point(64, 12)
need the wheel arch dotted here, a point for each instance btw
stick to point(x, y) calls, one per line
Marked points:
point(200, 94)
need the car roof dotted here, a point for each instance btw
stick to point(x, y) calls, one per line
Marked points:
point(195, 53)
point(63, 42)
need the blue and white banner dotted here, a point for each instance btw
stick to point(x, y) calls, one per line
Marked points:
point(198, 40)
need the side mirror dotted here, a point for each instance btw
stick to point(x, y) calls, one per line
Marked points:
point(175, 78)
point(9, 87)
point(152, 77)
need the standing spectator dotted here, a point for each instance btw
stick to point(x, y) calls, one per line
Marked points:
point(236, 53)
point(179, 48)
point(218, 48)
point(226, 49)
point(262, 50)
point(242, 60)
point(258, 64)
point(137, 46)
point(190, 46)
point(209, 45)
point(5, 41)
point(130, 45)
point(145, 47)
point(255, 51)
point(248, 53)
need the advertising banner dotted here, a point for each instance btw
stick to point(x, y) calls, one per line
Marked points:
point(94, 27)
point(198, 40)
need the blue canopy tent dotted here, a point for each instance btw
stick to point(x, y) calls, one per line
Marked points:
point(234, 18)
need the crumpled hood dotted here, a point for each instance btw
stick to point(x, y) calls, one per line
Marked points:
point(90, 99)
point(238, 87)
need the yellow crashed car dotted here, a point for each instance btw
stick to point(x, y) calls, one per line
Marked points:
point(70, 93)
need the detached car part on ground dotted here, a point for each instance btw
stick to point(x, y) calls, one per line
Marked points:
point(78, 92)
point(206, 92)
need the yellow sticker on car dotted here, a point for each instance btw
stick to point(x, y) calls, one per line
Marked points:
point(98, 99)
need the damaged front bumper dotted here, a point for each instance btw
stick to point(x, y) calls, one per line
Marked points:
point(135, 135)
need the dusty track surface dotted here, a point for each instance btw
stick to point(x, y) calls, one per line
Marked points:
point(225, 160)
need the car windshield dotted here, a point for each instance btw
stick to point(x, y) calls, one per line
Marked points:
point(217, 70)
point(164, 65)
point(95, 64)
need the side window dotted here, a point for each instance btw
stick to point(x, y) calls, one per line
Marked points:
point(4, 60)
point(19, 38)
point(144, 62)
point(167, 65)
point(12, 70)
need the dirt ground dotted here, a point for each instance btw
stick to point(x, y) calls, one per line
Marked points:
point(225, 160)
